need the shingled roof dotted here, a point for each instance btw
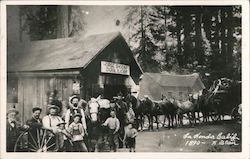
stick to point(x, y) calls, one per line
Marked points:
point(156, 84)
point(63, 53)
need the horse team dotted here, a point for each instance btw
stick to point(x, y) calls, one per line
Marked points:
point(223, 98)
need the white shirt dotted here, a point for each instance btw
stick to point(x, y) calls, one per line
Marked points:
point(112, 123)
point(67, 118)
point(12, 124)
point(50, 121)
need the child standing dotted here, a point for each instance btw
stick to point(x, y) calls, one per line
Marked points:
point(64, 142)
point(129, 137)
point(113, 126)
point(77, 131)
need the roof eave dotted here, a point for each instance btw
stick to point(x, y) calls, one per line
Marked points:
point(101, 50)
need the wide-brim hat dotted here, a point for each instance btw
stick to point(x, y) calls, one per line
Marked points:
point(77, 114)
point(73, 97)
point(53, 107)
point(36, 108)
point(12, 110)
point(62, 122)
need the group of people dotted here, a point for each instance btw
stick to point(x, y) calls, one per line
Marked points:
point(70, 131)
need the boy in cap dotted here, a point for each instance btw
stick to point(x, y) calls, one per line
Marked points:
point(64, 138)
point(77, 131)
point(129, 137)
point(114, 125)
point(13, 129)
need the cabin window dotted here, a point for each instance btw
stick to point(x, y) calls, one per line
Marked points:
point(12, 90)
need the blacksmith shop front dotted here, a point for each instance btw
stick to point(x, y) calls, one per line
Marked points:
point(97, 64)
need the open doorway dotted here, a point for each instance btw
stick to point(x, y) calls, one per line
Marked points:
point(112, 90)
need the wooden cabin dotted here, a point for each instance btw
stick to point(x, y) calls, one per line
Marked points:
point(97, 64)
point(172, 86)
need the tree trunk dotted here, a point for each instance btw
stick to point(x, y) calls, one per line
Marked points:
point(62, 22)
point(198, 37)
point(187, 45)
point(223, 36)
point(178, 34)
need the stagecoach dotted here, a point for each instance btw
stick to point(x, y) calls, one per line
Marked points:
point(225, 95)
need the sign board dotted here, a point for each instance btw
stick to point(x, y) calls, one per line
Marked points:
point(114, 68)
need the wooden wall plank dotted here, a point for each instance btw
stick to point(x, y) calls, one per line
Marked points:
point(20, 99)
point(33, 92)
point(59, 88)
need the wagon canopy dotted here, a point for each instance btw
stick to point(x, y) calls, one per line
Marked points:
point(157, 84)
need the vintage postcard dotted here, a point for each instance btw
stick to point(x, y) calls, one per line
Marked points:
point(125, 79)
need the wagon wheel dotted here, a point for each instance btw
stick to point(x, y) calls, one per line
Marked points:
point(234, 113)
point(42, 140)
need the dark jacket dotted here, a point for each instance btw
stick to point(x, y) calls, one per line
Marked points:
point(34, 124)
point(12, 134)
point(34, 127)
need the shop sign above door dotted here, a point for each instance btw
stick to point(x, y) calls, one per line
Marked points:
point(114, 68)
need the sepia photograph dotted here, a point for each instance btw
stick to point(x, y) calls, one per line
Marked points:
point(124, 78)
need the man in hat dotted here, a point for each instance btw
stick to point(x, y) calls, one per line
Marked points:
point(35, 122)
point(13, 129)
point(51, 120)
point(121, 109)
point(120, 103)
point(75, 108)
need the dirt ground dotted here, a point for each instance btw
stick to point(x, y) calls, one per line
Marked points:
point(213, 137)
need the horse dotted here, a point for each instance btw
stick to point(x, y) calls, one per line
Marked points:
point(99, 110)
point(169, 110)
point(203, 104)
point(136, 106)
point(185, 107)
point(195, 99)
point(150, 109)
